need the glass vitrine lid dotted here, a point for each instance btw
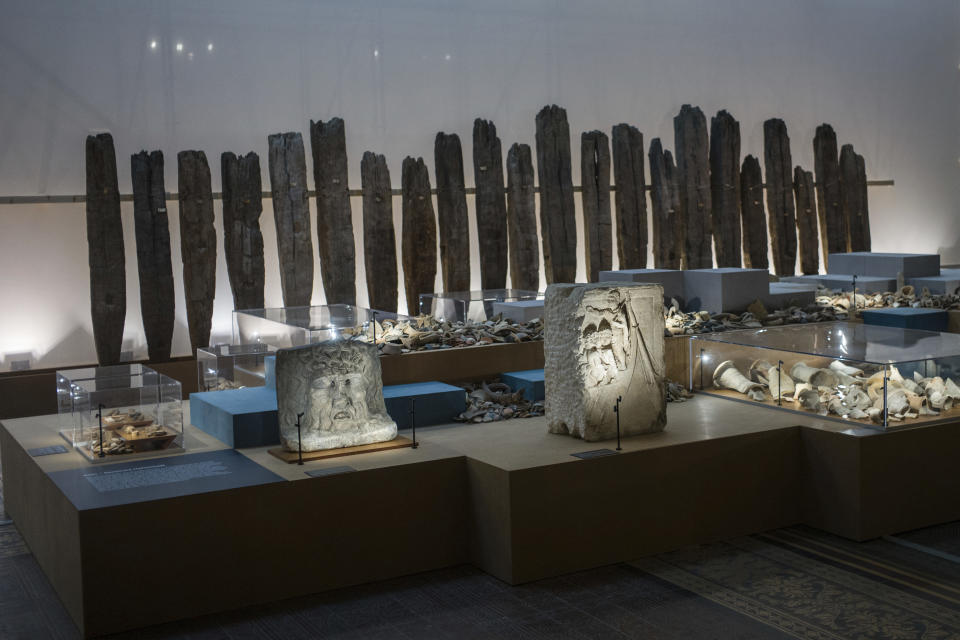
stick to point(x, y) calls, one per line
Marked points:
point(847, 341)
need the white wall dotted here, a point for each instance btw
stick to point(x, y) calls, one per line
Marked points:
point(884, 73)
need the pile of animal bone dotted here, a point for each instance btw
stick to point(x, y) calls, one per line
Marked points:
point(906, 296)
point(494, 401)
point(676, 392)
point(111, 446)
point(829, 306)
point(426, 332)
point(677, 322)
point(223, 384)
point(842, 390)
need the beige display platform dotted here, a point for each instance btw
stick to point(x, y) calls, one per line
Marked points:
point(291, 457)
point(505, 496)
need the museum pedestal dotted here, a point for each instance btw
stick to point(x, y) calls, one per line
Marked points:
point(132, 544)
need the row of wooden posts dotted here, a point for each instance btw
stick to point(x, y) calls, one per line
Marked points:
point(706, 201)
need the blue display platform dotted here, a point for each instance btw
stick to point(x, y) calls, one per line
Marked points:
point(237, 417)
point(436, 402)
point(531, 381)
point(907, 318)
point(884, 265)
point(947, 282)
point(788, 294)
point(519, 310)
point(724, 289)
point(670, 279)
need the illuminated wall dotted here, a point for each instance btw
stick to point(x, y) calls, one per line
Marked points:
point(884, 73)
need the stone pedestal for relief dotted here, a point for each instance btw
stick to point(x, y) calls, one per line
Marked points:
point(602, 341)
point(337, 387)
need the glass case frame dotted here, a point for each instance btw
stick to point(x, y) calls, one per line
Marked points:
point(107, 414)
point(862, 375)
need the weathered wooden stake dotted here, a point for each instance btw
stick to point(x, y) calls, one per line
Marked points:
point(595, 197)
point(834, 235)
point(803, 191)
point(522, 219)
point(242, 239)
point(291, 213)
point(379, 238)
point(490, 204)
point(630, 199)
point(108, 284)
point(419, 233)
point(557, 214)
point(334, 218)
point(198, 244)
point(754, 217)
point(725, 188)
point(667, 215)
point(452, 213)
point(690, 134)
point(783, 222)
point(152, 229)
point(853, 198)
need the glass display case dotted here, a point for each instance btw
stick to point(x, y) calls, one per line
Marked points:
point(232, 366)
point(284, 327)
point(882, 377)
point(476, 306)
point(106, 413)
point(68, 378)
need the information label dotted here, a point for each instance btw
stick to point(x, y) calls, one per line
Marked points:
point(331, 471)
point(47, 451)
point(595, 453)
point(155, 474)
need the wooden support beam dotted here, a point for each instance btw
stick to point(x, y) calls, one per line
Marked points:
point(834, 235)
point(853, 198)
point(198, 244)
point(452, 213)
point(242, 239)
point(783, 223)
point(154, 267)
point(665, 203)
point(630, 200)
point(595, 198)
point(693, 167)
point(379, 238)
point(557, 214)
point(108, 284)
point(419, 234)
point(725, 188)
point(491, 208)
point(805, 195)
point(335, 240)
point(753, 215)
point(522, 219)
point(291, 213)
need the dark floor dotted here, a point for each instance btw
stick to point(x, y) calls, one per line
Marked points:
point(791, 583)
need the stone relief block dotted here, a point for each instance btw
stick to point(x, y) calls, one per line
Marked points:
point(601, 341)
point(338, 388)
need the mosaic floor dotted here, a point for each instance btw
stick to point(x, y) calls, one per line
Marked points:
point(789, 583)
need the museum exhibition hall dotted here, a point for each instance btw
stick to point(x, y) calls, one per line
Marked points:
point(529, 319)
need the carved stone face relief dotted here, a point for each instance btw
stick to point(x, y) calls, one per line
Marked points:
point(601, 342)
point(337, 387)
point(604, 341)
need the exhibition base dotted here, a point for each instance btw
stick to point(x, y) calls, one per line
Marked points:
point(240, 527)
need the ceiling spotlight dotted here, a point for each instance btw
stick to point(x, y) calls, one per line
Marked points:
point(179, 46)
point(153, 44)
point(210, 46)
point(376, 53)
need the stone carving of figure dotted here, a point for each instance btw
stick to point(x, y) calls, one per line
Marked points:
point(337, 387)
point(603, 341)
